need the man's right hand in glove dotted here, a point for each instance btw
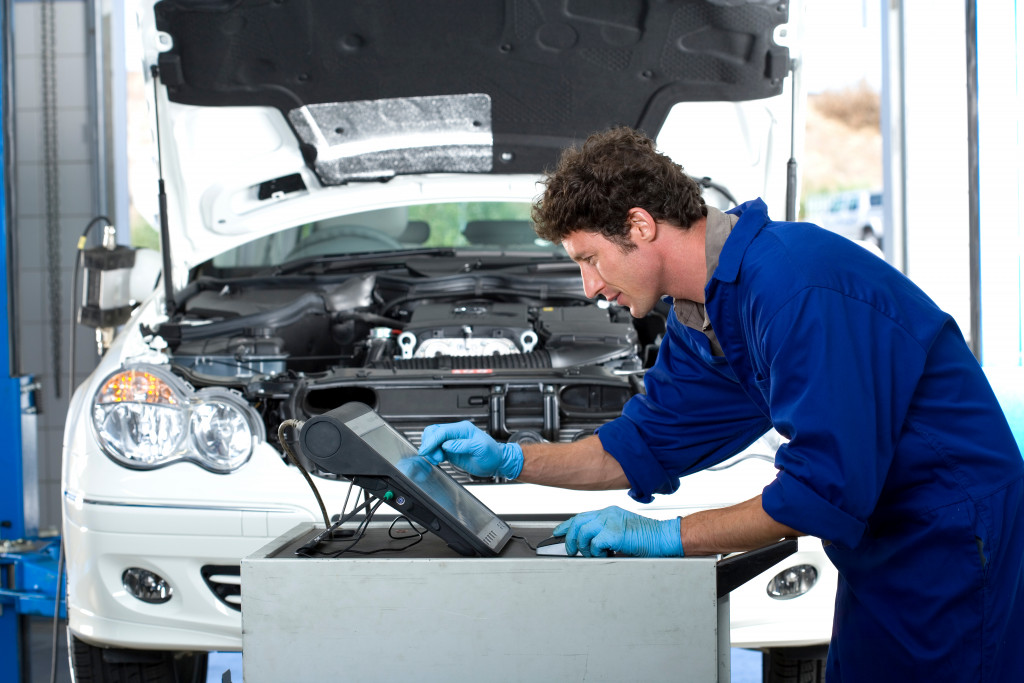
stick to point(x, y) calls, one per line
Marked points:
point(472, 450)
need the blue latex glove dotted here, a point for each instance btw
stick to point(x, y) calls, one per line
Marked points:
point(472, 450)
point(627, 533)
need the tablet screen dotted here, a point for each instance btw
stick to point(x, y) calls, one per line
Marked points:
point(431, 479)
point(355, 442)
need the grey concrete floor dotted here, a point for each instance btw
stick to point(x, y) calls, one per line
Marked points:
point(40, 641)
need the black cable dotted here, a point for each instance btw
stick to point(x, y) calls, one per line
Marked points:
point(328, 531)
point(360, 534)
point(295, 461)
point(360, 530)
point(391, 535)
point(72, 340)
point(56, 610)
point(528, 544)
point(706, 182)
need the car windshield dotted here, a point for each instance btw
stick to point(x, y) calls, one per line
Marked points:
point(477, 225)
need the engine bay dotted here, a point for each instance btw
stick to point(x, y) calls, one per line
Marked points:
point(524, 359)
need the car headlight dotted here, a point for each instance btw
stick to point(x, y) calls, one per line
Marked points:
point(147, 417)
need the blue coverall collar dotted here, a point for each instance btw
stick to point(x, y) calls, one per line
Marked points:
point(753, 216)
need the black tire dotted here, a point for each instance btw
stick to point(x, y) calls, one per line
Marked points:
point(92, 664)
point(794, 665)
point(868, 235)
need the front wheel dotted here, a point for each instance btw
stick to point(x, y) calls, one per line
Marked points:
point(868, 234)
point(93, 664)
point(795, 664)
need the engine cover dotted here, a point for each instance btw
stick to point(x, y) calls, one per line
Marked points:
point(476, 329)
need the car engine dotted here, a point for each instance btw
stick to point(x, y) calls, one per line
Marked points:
point(526, 363)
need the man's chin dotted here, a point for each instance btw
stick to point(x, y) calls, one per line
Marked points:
point(636, 310)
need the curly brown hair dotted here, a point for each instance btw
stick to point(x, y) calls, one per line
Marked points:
point(594, 186)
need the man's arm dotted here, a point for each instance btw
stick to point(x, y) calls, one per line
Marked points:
point(586, 465)
point(583, 465)
point(744, 526)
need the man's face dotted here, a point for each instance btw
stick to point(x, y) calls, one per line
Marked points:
point(628, 278)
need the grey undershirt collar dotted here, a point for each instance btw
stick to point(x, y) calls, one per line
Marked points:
point(690, 313)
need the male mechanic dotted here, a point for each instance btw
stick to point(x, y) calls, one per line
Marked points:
point(899, 456)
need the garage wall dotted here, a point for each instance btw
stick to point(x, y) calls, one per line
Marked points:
point(44, 262)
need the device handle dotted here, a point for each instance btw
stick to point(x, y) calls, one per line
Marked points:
point(736, 570)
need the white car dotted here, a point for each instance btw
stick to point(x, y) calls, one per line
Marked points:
point(346, 218)
point(854, 214)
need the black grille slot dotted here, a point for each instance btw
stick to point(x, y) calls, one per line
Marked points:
point(516, 361)
point(225, 581)
point(594, 400)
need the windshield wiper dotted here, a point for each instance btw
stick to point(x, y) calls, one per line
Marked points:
point(328, 262)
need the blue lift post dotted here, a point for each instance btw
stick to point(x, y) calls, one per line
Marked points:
point(29, 566)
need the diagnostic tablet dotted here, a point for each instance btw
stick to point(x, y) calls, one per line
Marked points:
point(353, 441)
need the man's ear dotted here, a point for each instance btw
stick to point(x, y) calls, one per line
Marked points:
point(642, 225)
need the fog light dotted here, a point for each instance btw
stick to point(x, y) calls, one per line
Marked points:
point(792, 582)
point(146, 586)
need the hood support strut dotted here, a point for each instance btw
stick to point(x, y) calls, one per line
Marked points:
point(165, 232)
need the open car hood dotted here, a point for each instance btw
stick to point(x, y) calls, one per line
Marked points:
point(485, 85)
point(267, 101)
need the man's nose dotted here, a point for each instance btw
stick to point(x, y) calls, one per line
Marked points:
point(592, 283)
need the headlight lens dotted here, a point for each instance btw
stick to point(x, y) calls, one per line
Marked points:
point(222, 431)
point(139, 416)
point(147, 417)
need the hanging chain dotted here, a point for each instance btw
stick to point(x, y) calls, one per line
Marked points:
point(53, 260)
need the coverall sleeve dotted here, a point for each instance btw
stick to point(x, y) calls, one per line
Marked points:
point(694, 415)
point(839, 377)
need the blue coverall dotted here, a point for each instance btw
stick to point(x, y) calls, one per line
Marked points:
point(899, 456)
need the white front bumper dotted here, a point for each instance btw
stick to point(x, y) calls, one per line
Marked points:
point(103, 540)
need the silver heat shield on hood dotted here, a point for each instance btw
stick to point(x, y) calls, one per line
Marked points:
point(373, 139)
